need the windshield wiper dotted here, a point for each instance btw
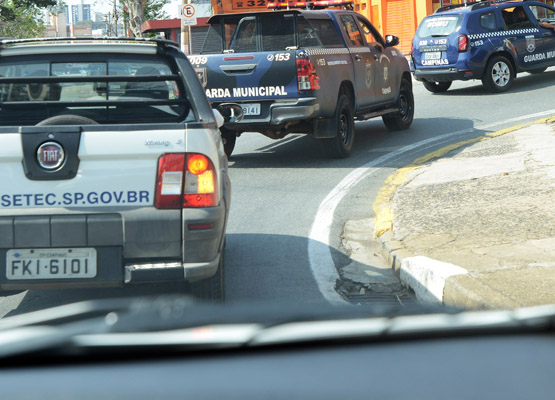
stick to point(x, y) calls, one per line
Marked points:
point(178, 324)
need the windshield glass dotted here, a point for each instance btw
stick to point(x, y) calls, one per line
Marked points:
point(436, 26)
point(263, 32)
point(298, 164)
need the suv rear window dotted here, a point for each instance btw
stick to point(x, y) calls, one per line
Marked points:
point(116, 89)
point(437, 26)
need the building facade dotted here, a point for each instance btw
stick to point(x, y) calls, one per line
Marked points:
point(62, 22)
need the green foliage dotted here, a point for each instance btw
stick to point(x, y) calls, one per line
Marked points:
point(153, 9)
point(22, 18)
point(33, 3)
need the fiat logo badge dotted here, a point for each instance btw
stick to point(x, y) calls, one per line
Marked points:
point(50, 155)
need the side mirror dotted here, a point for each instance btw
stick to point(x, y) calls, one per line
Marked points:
point(231, 112)
point(391, 40)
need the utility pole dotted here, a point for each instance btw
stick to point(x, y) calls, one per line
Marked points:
point(108, 21)
point(186, 39)
point(115, 18)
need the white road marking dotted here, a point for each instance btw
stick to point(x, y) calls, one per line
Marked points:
point(319, 250)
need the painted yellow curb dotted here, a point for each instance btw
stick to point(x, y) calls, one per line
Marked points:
point(382, 206)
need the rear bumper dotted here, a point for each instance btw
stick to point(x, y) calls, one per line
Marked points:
point(443, 75)
point(200, 245)
point(170, 272)
point(132, 274)
point(280, 114)
point(300, 110)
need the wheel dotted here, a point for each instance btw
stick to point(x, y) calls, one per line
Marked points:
point(229, 138)
point(402, 119)
point(67, 119)
point(343, 121)
point(437, 87)
point(498, 75)
point(213, 288)
point(537, 70)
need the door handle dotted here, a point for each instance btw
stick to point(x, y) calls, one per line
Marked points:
point(513, 38)
point(547, 34)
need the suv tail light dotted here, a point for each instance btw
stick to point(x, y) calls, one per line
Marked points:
point(463, 43)
point(185, 180)
point(307, 77)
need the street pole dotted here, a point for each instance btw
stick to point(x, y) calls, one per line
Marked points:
point(190, 41)
point(115, 19)
point(184, 32)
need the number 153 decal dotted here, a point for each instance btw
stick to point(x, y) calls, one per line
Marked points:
point(279, 57)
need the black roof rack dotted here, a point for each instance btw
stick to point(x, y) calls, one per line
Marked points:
point(483, 4)
point(475, 5)
point(453, 6)
point(9, 42)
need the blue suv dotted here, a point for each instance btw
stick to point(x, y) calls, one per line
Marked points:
point(490, 40)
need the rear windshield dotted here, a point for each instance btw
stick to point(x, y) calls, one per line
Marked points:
point(268, 32)
point(440, 25)
point(120, 89)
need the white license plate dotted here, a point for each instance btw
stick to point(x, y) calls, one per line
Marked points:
point(435, 55)
point(66, 263)
point(251, 109)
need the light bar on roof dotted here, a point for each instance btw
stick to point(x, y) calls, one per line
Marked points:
point(280, 5)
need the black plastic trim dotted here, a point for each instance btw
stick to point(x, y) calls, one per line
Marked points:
point(66, 136)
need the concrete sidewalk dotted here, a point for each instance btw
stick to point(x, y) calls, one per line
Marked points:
point(473, 225)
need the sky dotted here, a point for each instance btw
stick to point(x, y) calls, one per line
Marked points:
point(105, 6)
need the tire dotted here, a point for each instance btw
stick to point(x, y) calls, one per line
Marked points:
point(402, 119)
point(67, 119)
point(537, 70)
point(229, 138)
point(499, 75)
point(343, 122)
point(437, 87)
point(212, 289)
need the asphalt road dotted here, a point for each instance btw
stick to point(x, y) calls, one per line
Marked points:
point(279, 186)
point(290, 202)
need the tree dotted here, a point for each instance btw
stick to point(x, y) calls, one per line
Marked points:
point(139, 11)
point(22, 18)
point(154, 9)
point(136, 12)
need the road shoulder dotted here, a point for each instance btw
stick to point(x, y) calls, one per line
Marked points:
point(471, 224)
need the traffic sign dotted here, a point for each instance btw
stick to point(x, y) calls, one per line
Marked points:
point(188, 16)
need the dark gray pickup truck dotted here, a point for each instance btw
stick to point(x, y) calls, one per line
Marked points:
point(313, 70)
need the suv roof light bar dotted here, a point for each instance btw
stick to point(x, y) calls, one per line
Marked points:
point(453, 6)
point(482, 4)
point(474, 4)
point(310, 5)
point(7, 42)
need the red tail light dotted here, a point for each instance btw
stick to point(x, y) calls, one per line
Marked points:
point(307, 77)
point(463, 43)
point(185, 180)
